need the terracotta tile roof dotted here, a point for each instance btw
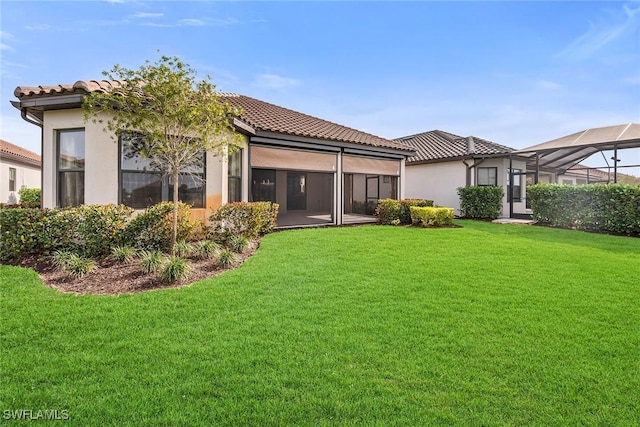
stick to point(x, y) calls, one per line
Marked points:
point(440, 145)
point(80, 86)
point(258, 114)
point(269, 117)
point(18, 153)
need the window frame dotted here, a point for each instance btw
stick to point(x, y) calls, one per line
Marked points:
point(166, 193)
point(517, 175)
point(495, 170)
point(13, 177)
point(238, 154)
point(60, 171)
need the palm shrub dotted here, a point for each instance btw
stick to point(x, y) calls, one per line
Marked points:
point(238, 243)
point(151, 261)
point(183, 248)
point(123, 254)
point(207, 249)
point(226, 258)
point(175, 269)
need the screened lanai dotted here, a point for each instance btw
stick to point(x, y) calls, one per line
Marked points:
point(562, 154)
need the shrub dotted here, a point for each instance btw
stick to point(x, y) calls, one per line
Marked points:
point(482, 202)
point(152, 229)
point(30, 196)
point(62, 259)
point(151, 261)
point(388, 211)
point(89, 230)
point(175, 269)
point(238, 243)
point(248, 219)
point(79, 266)
point(604, 208)
point(183, 248)
point(207, 249)
point(431, 217)
point(226, 258)
point(394, 212)
point(123, 254)
point(22, 233)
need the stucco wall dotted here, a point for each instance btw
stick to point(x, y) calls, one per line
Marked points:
point(26, 176)
point(437, 182)
point(101, 164)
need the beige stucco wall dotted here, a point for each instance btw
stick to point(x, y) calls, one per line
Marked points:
point(27, 176)
point(437, 182)
point(101, 164)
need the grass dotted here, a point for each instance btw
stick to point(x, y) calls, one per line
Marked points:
point(483, 325)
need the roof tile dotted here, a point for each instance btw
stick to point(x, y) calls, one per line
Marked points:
point(16, 151)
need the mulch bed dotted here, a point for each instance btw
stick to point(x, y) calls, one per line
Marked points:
point(111, 278)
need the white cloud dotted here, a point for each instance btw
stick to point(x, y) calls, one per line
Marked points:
point(38, 27)
point(619, 24)
point(274, 81)
point(5, 36)
point(191, 22)
point(18, 131)
point(145, 15)
point(548, 85)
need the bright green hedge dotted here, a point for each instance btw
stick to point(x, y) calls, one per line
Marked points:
point(30, 195)
point(482, 202)
point(394, 212)
point(431, 217)
point(604, 208)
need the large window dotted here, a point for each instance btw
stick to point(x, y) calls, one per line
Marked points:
point(142, 185)
point(362, 192)
point(263, 185)
point(70, 167)
point(12, 179)
point(487, 176)
point(235, 176)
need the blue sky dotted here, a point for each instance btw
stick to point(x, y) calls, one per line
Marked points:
point(517, 73)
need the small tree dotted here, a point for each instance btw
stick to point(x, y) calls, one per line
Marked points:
point(168, 117)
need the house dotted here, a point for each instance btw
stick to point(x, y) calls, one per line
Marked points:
point(19, 168)
point(445, 161)
point(319, 172)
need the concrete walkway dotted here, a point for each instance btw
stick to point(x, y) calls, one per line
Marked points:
point(514, 221)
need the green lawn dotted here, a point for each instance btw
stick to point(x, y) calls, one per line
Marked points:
point(484, 325)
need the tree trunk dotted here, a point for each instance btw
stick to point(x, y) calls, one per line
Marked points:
point(174, 235)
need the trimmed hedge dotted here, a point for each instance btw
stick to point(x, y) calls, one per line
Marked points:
point(394, 212)
point(30, 195)
point(152, 229)
point(22, 232)
point(431, 217)
point(613, 208)
point(482, 202)
point(250, 219)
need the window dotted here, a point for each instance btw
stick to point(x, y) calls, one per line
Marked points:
point(70, 149)
point(487, 176)
point(515, 189)
point(12, 179)
point(580, 181)
point(142, 185)
point(263, 185)
point(235, 176)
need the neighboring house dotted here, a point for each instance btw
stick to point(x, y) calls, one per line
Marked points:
point(319, 172)
point(19, 168)
point(444, 162)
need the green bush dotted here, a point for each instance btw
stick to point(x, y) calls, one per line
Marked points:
point(175, 269)
point(394, 212)
point(151, 261)
point(88, 230)
point(22, 233)
point(208, 249)
point(152, 229)
point(388, 211)
point(431, 217)
point(226, 258)
point(183, 248)
point(238, 243)
point(30, 196)
point(79, 266)
point(482, 202)
point(123, 254)
point(248, 219)
point(613, 208)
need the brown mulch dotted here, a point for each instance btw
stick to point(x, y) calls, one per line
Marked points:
point(110, 278)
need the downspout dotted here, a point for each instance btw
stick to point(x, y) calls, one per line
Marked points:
point(510, 195)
